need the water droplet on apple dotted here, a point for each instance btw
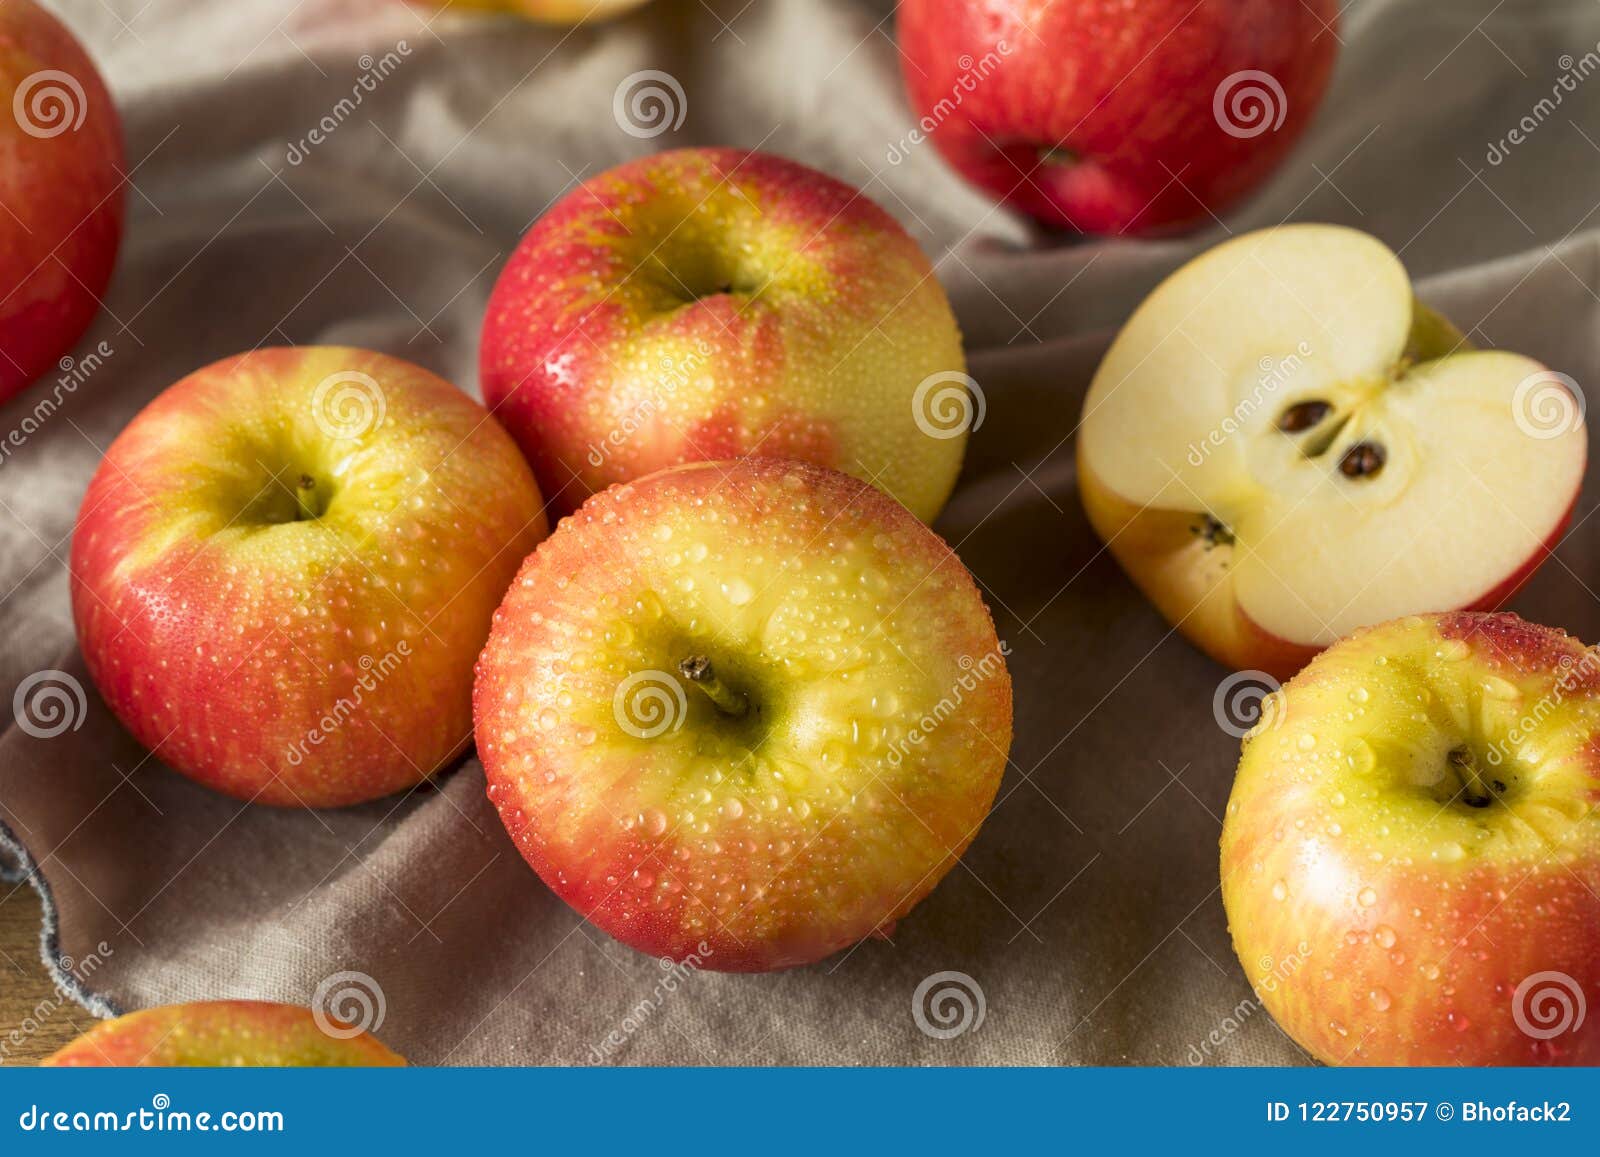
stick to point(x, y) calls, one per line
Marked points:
point(1498, 688)
point(1385, 936)
point(1280, 890)
point(1367, 897)
point(1453, 650)
point(1381, 1000)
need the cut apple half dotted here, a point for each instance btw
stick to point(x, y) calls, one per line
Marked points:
point(1283, 445)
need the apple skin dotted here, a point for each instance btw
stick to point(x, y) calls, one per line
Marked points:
point(744, 850)
point(62, 191)
point(222, 1034)
point(1382, 927)
point(556, 12)
point(224, 633)
point(1126, 89)
point(604, 370)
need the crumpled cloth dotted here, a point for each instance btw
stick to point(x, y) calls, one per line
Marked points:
point(1087, 912)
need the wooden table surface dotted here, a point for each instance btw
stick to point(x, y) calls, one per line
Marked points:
point(34, 1019)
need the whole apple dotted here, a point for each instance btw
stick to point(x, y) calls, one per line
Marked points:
point(225, 1034)
point(1411, 854)
point(743, 714)
point(1283, 445)
point(61, 174)
point(711, 303)
point(1106, 116)
point(286, 565)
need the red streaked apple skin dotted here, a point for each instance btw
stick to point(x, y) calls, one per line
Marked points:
point(1190, 583)
point(1128, 90)
point(711, 303)
point(1380, 926)
point(62, 189)
point(223, 1034)
point(299, 663)
point(843, 618)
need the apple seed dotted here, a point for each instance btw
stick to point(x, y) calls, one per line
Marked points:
point(1303, 416)
point(1363, 460)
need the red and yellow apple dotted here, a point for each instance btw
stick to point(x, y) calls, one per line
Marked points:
point(712, 303)
point(743, 713)
point(61, 166)
point(1283, 445)
point(1411, 854)
point(286, 565)
point(224, 1034)
point(560, 12)
point(1106, 116)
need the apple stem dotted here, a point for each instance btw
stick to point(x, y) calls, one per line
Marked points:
point(1475, 792)
point(697, 669)
point(305, 497)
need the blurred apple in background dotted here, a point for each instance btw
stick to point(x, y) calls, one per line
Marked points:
point(1283, 445)
point(1411, 854)
point(61, 165)
point(710, 303)
point(286, 565)
point(548, 11)
point(743, 713)
point(225, 1034)
point(1107, 116)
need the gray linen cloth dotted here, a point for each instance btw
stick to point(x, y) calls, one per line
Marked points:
point(1087, 911)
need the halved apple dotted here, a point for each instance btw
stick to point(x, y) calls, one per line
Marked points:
point(1283, 445)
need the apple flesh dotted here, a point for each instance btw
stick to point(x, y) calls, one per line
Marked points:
point(223, 1034)
point(1109, 117)
point(1282, 445)
point(1411, 854)
point(61, 165)
point(712, 303)
point(286, 565)
point(743, 713)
